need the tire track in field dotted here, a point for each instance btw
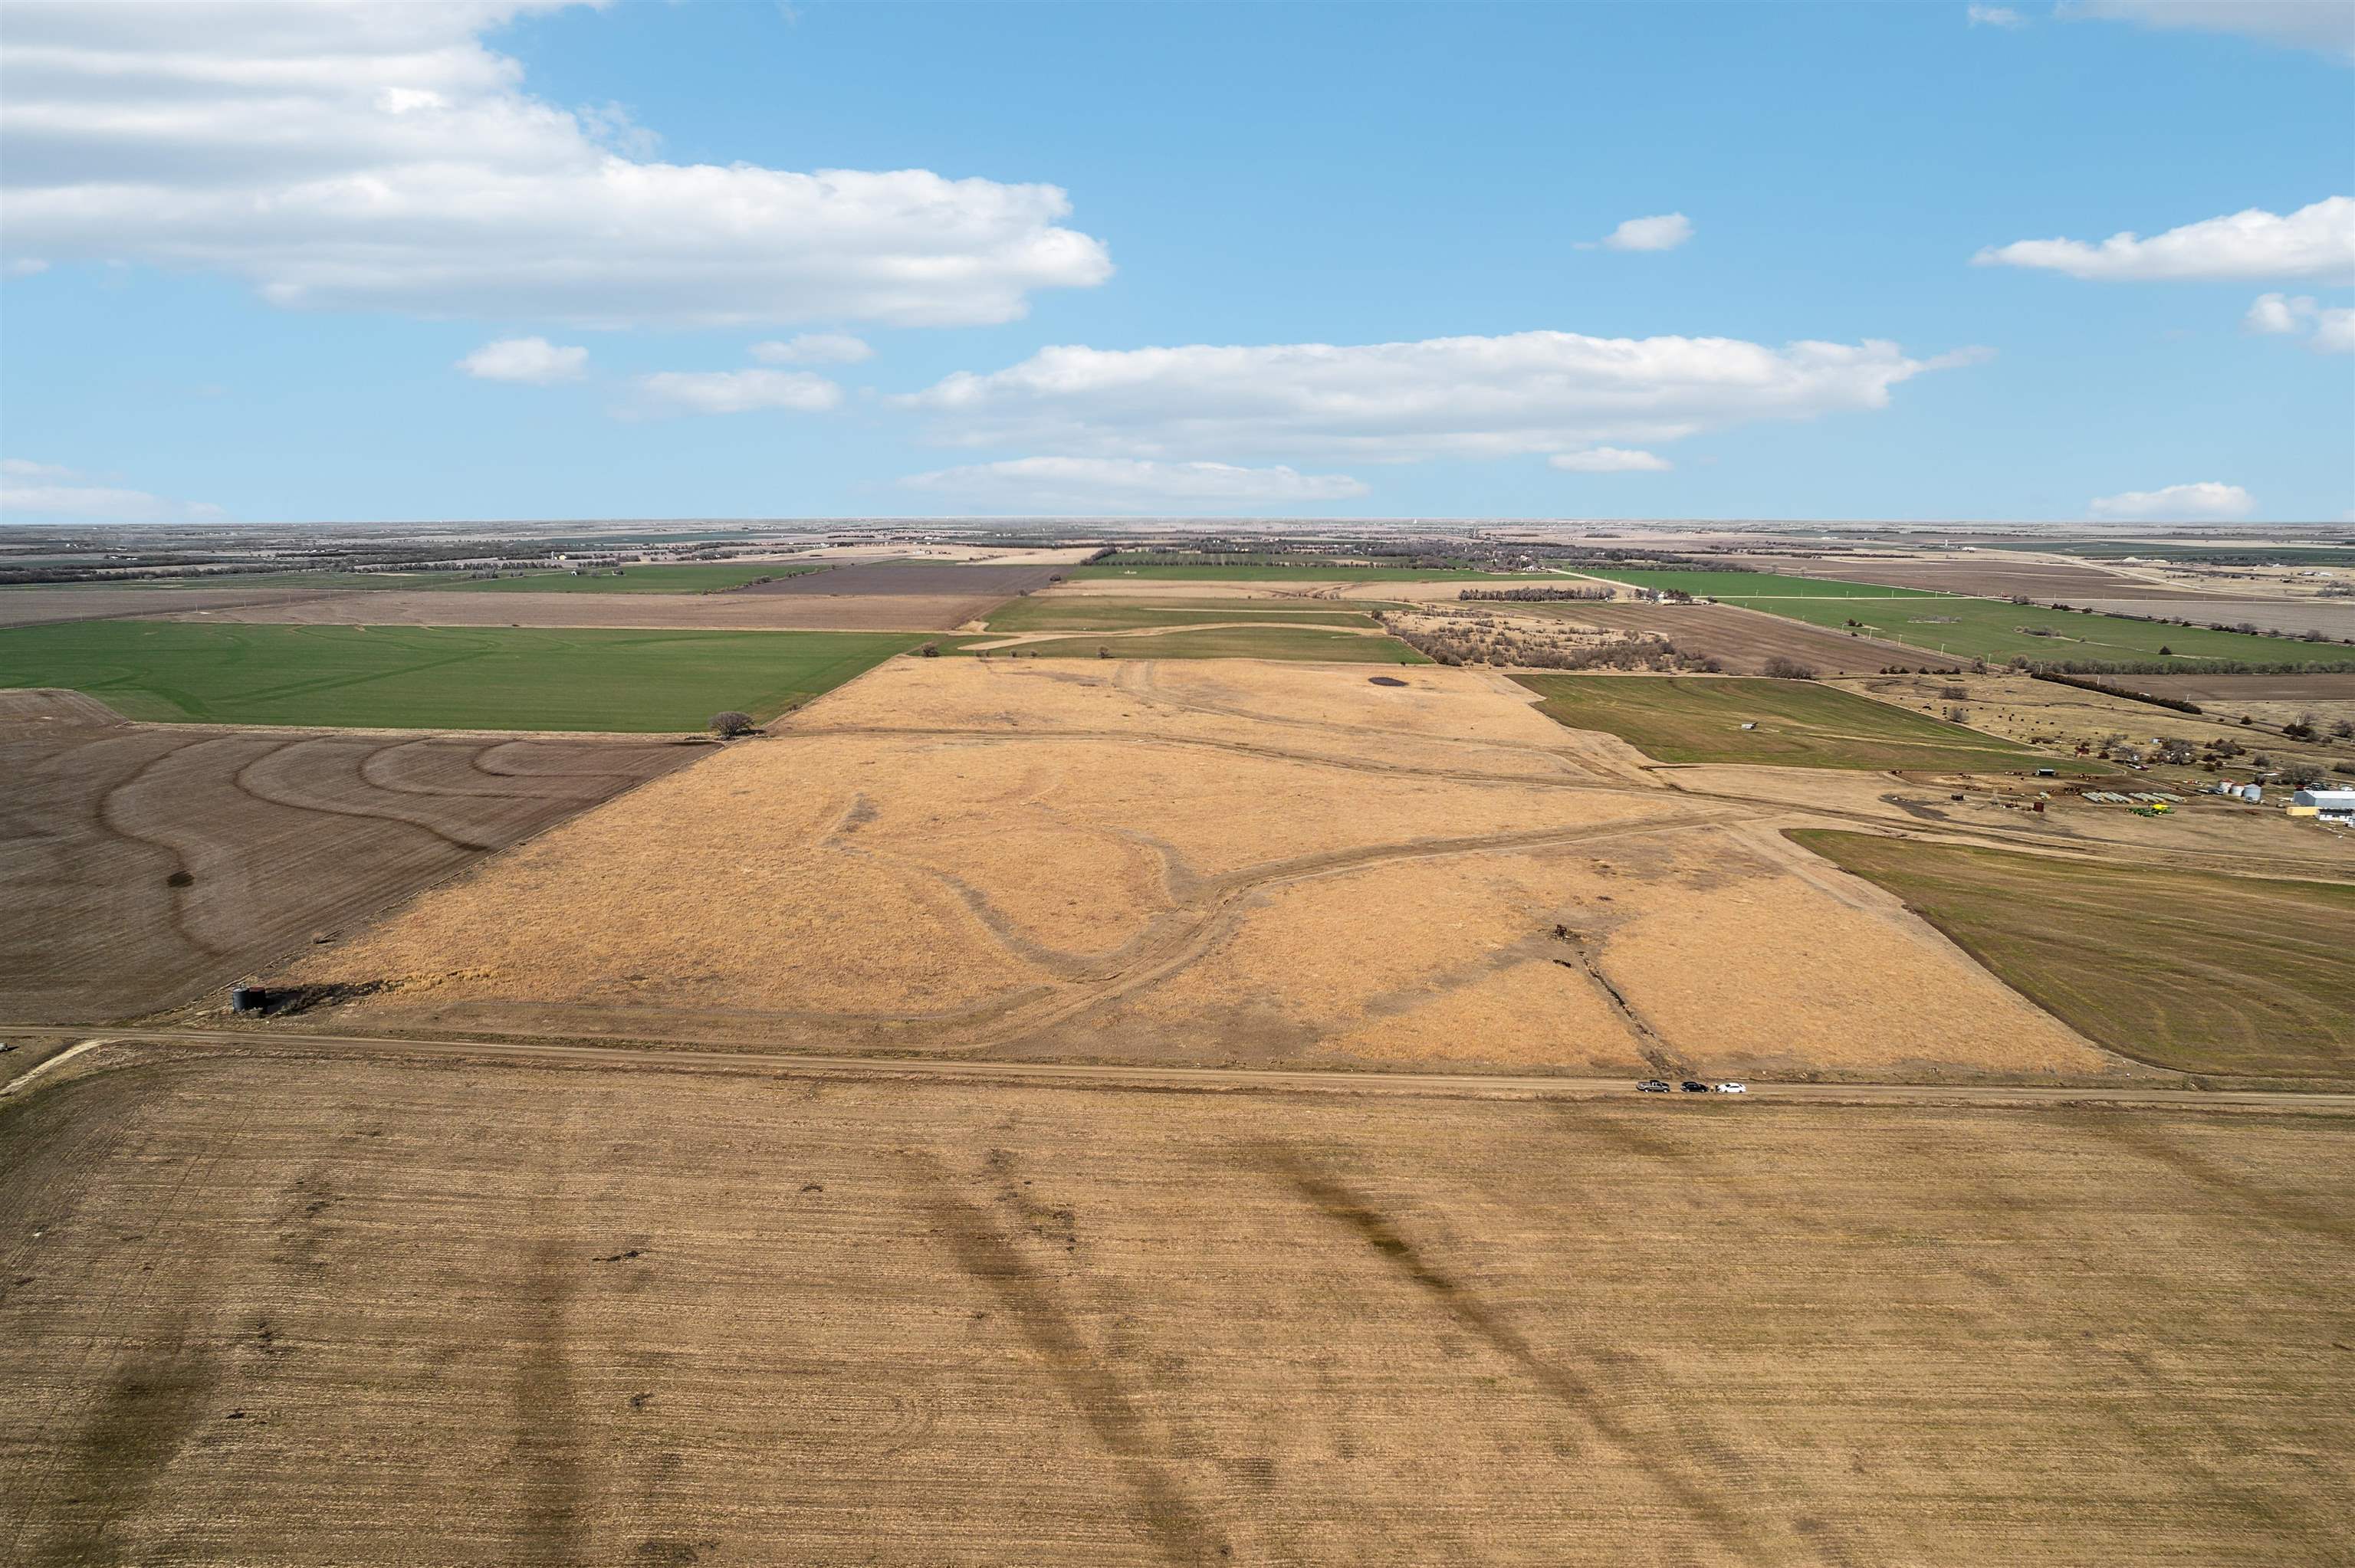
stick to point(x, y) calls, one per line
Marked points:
point(1591, 1386)
point(1031, 1299)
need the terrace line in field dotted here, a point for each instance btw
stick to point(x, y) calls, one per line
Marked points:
point(1213, 862)
point(144, 866)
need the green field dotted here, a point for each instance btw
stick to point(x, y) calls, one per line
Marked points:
point(256, 581)
point(408, 677)
point(1082, 614)
point(1306, 573)
point(1991, 629)
point(1800, 723)
point(689, 578)
point(2184, 969)
point(1750, 585)
point(1305, 643)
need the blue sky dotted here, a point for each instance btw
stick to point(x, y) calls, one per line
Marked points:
point(519, 261)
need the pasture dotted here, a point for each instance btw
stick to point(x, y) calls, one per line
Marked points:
point(1740, 640)
point(1213, 862)
point(310, 1308)
point(1800, 723)
point(1996, 630)
point(2182, 970)
point(399, 677)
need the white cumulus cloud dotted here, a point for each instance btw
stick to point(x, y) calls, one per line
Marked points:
point(39, 492)
point(2326, 26)
point(739, 391)
point(1536, 392)
point(2328, 329)
point(2204, 502)
point(815, 348)
point(380, 157)
point(1610, 460)
point(1132, 484)
point(1995, 16)
point(2317, 241)
point(1665, 232)
point(533, 360)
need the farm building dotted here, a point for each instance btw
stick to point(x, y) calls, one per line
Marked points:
point(2327, 805)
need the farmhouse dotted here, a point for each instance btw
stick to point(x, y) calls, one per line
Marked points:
point(2325, 805)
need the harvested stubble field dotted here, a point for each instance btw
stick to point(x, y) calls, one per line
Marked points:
point(2204, 974)
point(980, 589)
point(436, 678)
point(1054, 612)
point(298, 1311)
point(2235, 693)
point(44, 606)
point(1213, 862)
point(1315, 644)
point(1743, 640)
point(143, 864)
point(741, 611)
point(1796, 723)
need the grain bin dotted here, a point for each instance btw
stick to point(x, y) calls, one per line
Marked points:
point(249, 999)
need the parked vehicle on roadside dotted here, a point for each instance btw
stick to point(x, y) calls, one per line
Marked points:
point(1652, 1086)
point(1695, 1086)
point(1731, 1088)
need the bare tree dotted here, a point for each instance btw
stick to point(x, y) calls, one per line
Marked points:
point(1784, 669)
point(732, 723)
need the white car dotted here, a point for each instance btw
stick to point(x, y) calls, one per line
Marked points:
point(1729, 1088)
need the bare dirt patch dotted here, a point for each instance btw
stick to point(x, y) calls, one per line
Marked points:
point(1236, 863)
point(329, 1310)
point(144, 864)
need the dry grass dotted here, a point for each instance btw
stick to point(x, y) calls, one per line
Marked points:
point(1178, 861)
point(300, 1311)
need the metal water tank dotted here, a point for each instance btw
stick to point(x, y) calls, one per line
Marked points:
point(249, 999)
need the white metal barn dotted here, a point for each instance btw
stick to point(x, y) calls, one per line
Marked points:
point(2329, 805)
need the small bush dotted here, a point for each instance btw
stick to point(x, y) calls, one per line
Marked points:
point(1784, 669)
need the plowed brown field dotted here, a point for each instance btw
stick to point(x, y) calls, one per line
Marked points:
point(1222, 861)
point(314, 1310)
point(142, 863)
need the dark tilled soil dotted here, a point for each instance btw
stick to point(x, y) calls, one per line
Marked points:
point(146, 864)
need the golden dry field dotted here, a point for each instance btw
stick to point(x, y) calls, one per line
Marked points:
point(1213, 862)
point(305, 1308)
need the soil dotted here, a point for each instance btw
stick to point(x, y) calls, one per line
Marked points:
point(146, 863)
point(328, 1310)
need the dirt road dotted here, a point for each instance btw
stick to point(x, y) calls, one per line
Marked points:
point(1446, 1085)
